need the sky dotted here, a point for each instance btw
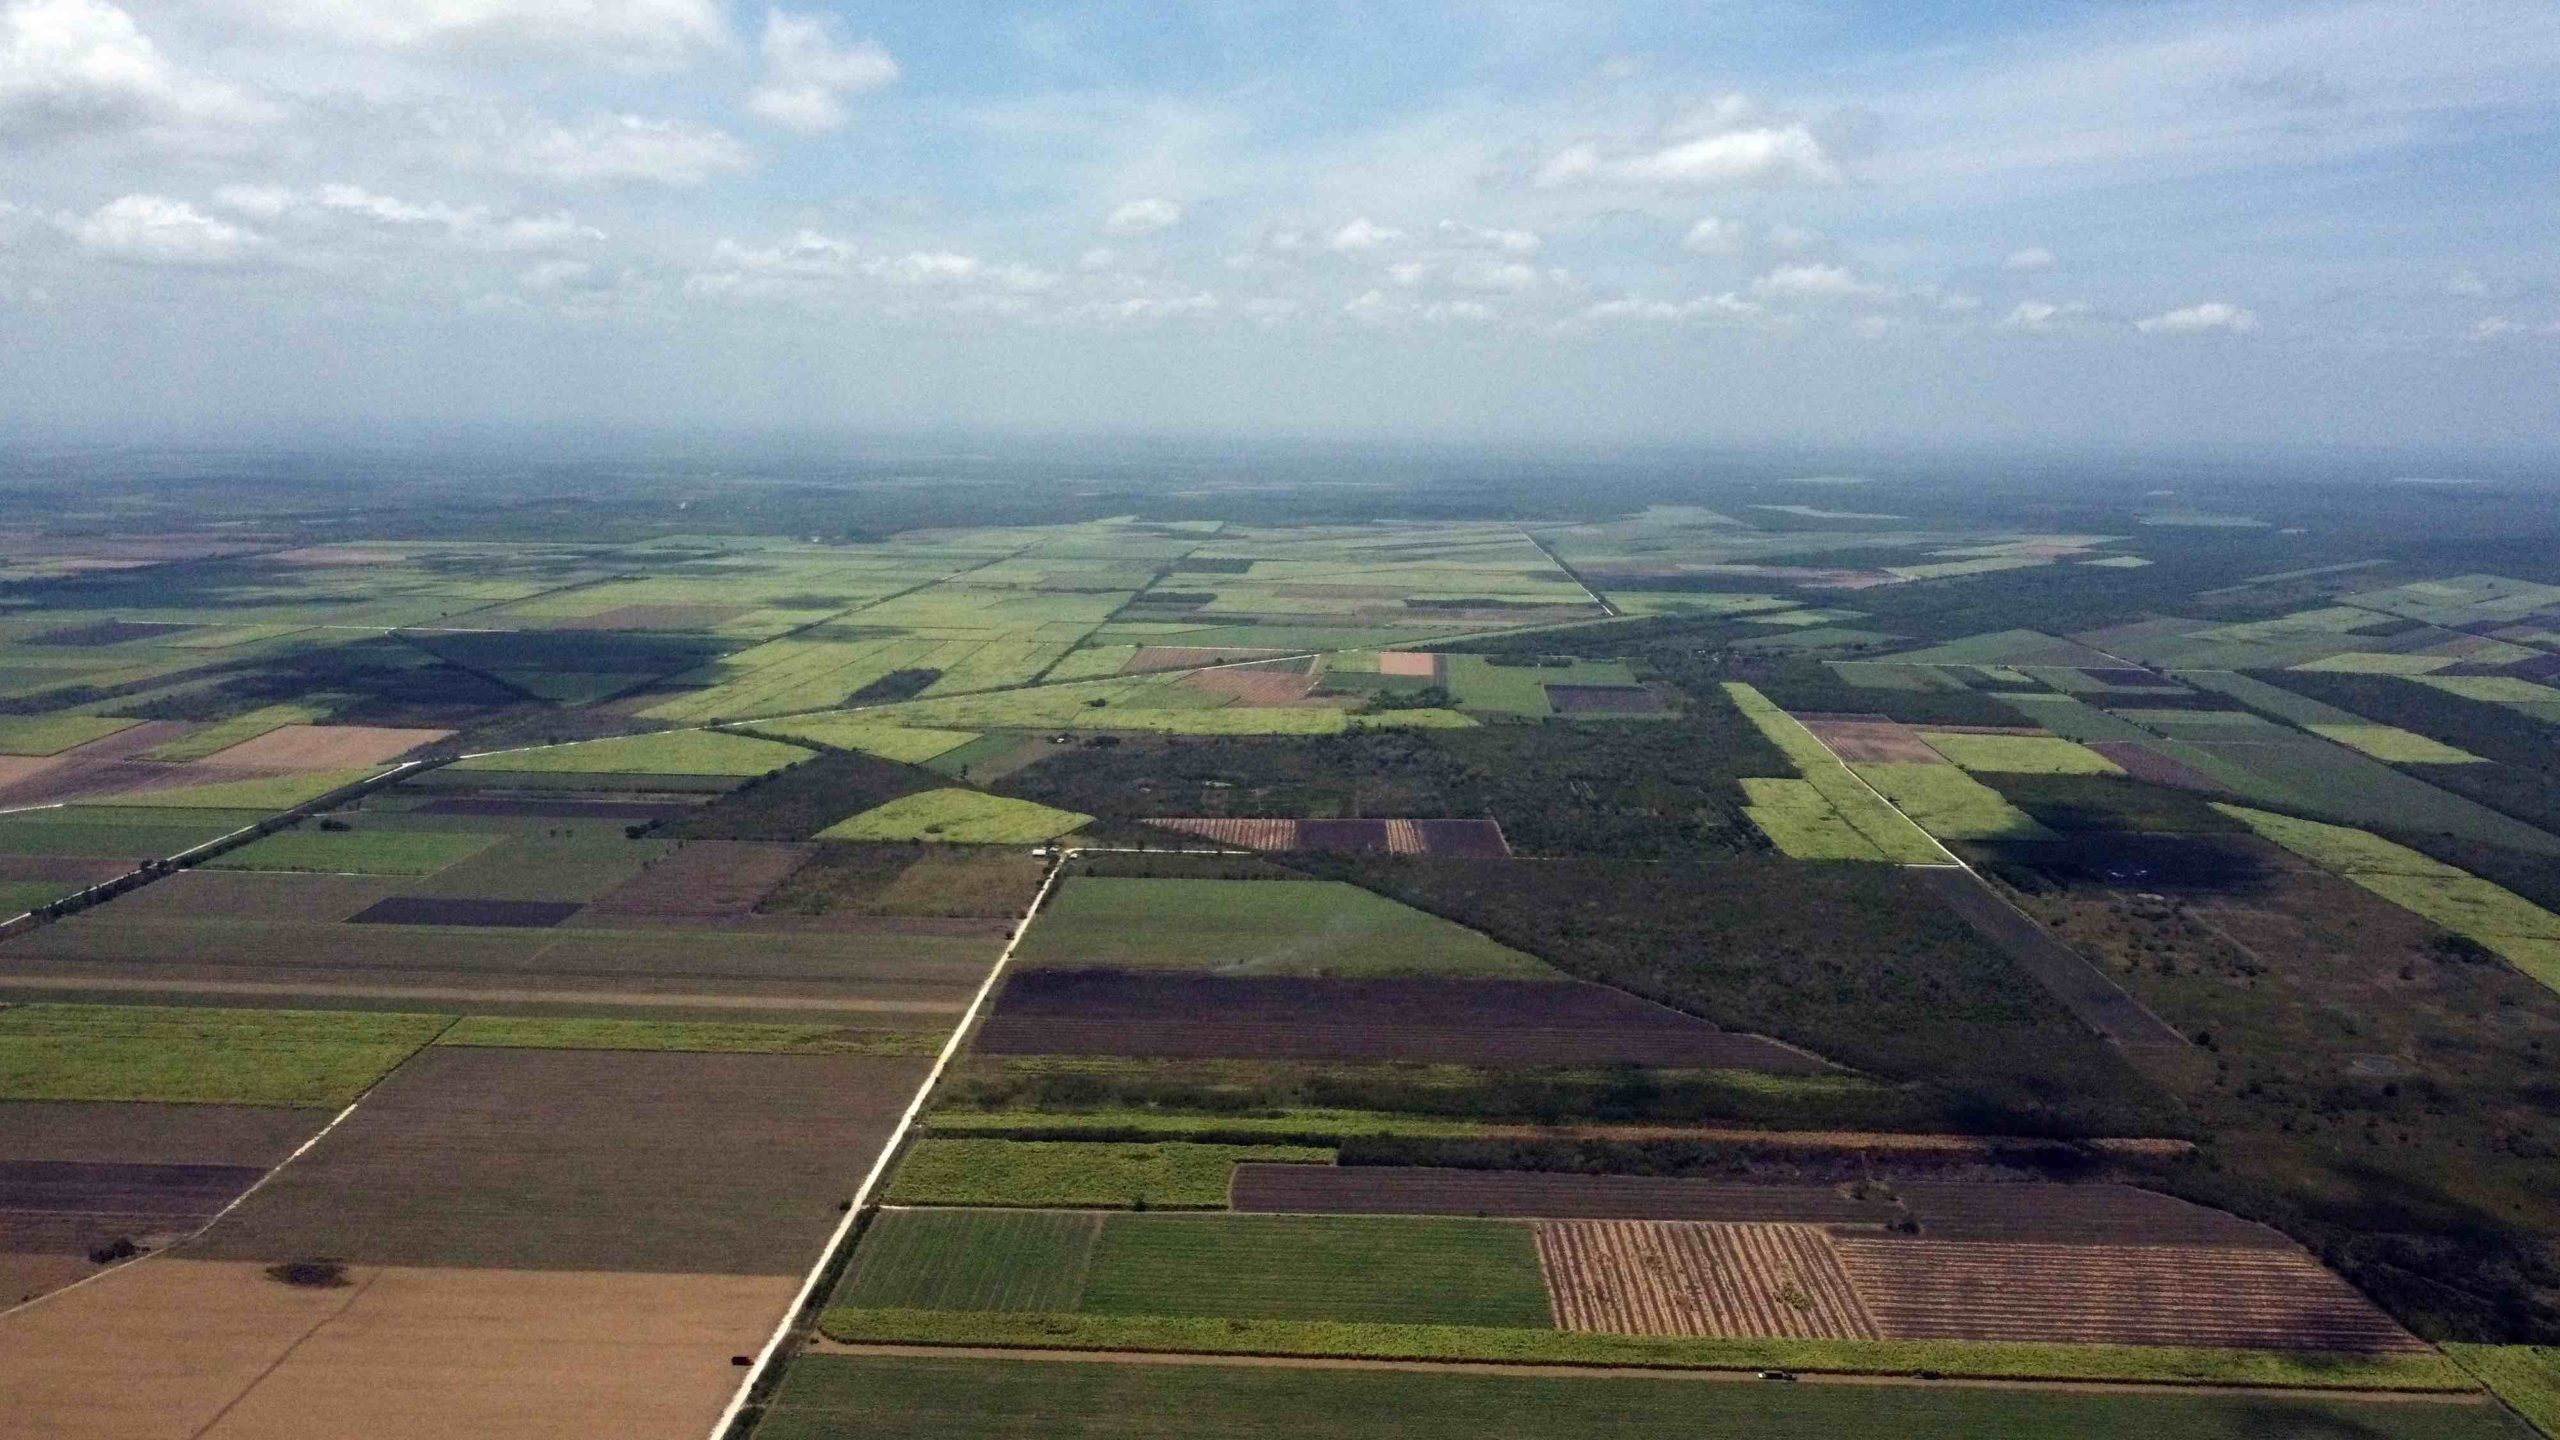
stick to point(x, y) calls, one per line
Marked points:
point(1726, 221)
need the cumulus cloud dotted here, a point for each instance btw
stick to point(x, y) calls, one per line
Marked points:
point(156, 230)
point(1817, 282)
point(808, 73)
point(1361, 235)
point(2196, 319)
point(71, 67)
point(624, 149)
point(2034, 257)
point(1727, 306)
point(2042, 315)
point(630, 32)
point(1713, 235)
point(1483, 237)
point(1143, 217)
point(1766, 157)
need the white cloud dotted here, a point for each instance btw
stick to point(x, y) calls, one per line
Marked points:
point(631, 32)
point(1508, 277)
point(2042, 315)
point(265, 202)
point(2467, 285)
point(1100, 257)
point(2194, 319)
point(1143, 217)
point(71, 67)
point(2496, 327)
point(609, 149)
point(1482, 237)
point(1762, 157)
point(1715, 236)
point(808, 73)
point(1817, 282)
point(1358, 236)
point(1727, 306)
point(806, 255)
point(2034, 257)
point(156, 230)
point(1409, 272)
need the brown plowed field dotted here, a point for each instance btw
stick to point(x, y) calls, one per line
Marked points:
point(451, 910)
point(1422, 1190)
point(707, 878)
point(1462, 1022)
point(184, 1347)
point(2077, 1214)
point(1468, 839)
point(1878, 741)
point(2144, 763)
point(1411, 664)
point(326, 747)
point(1637, 1277)
point(112, 1132)
point(101, 767)
point(71, 1187)
point(2113, 1295)
point(583, 1160)
point(1253, 687)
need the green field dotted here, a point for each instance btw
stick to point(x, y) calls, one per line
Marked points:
point(673, 752)
point(1797, 826)
point(2382, 742)
point(1257, 927)
point(958, 817)
point(2398, 746)
point(1354, 1269)
point(205, 1056)
point(1950, 804)
point(2020, 754)
point(525, 1032)
point(17, 897)
point(908, 745)
point(118, 832)
point(1480, 684)
point(1803, 824)
point(53, 734)
point(1002, 1260)
point(268, 796)
point(1524, 1345)
point(1163, 1175)
point(2524, 1376)
point(366, 850)
point(223, 734)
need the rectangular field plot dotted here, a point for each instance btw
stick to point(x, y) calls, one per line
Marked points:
point(901, 1397)
point(1422, 1190)
point(239, 1057)
point(1816, 818)
point(325, 747)
point(53, 734)
point(1395, 1271)
point(366, 849)
point(2117, 1295)
point(110, 832)
point(706, 879)
point(1256, 927)
point(444, 910)
point(1464, 1022)
point(958, 817)
point(2020, 754)
point(1633, 1277)
point(1165, 1175)
point(584, 1160)
point(1460, 838)
point(1004, 1260)
point(1948, 803)
point(674, 752)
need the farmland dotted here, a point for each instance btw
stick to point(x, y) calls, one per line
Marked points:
point(1512, 926)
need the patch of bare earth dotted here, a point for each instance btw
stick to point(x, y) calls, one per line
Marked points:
point(1636, 1277)
point(325, 747)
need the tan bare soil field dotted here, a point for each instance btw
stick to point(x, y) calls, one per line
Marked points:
point(583, 1160)
point(1254, 687)
point(1640, 1277)
point(2113, 1294)
point(1409, 663)
point(1862, 741)
point(194, 1348)
point(325, 747)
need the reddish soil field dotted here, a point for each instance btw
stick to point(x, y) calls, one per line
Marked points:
point(1421, 1190)
point(654, 617)
point(1462, 1022)
point(184, 1347)
point(705, 878)
point(2146, 764)
point(1186, 657)
point(1254, 687)
point(325, 747)
point(1464, 839)
point(583, 1160)
point(2077, 1214)
point(1409, 663)
point(2113, 1295)
point(1603, 700)
point(440, 910)
point(1634, 1277)
point(1876, 741)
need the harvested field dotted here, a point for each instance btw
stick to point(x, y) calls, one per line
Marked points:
point(1253, 687)
point(2144, 763)
point(1604, 700)
point(2113, 1294)
point(705, 878)
point(1408, 663)
point(620, 812)
point(1422, 1190)
point(202, 1348)
point(494, 914)
point(2077, 1215)
point(1859, 739)
point(1463, 1022)
point(584, 1159)
point(325, 747)
point(1475, 839)
point(1636, 1277)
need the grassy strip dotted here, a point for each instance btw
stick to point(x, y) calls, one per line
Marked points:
point(2169, 1365)
point(2527, 1377)
point(1892, 836)
point(1163, 1175)
point(521, 1032)
point(53, 734)
point(201, 1056)
point(674, 752)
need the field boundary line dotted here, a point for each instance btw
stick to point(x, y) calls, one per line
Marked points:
point(759, 1369)
point(1575, 575)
